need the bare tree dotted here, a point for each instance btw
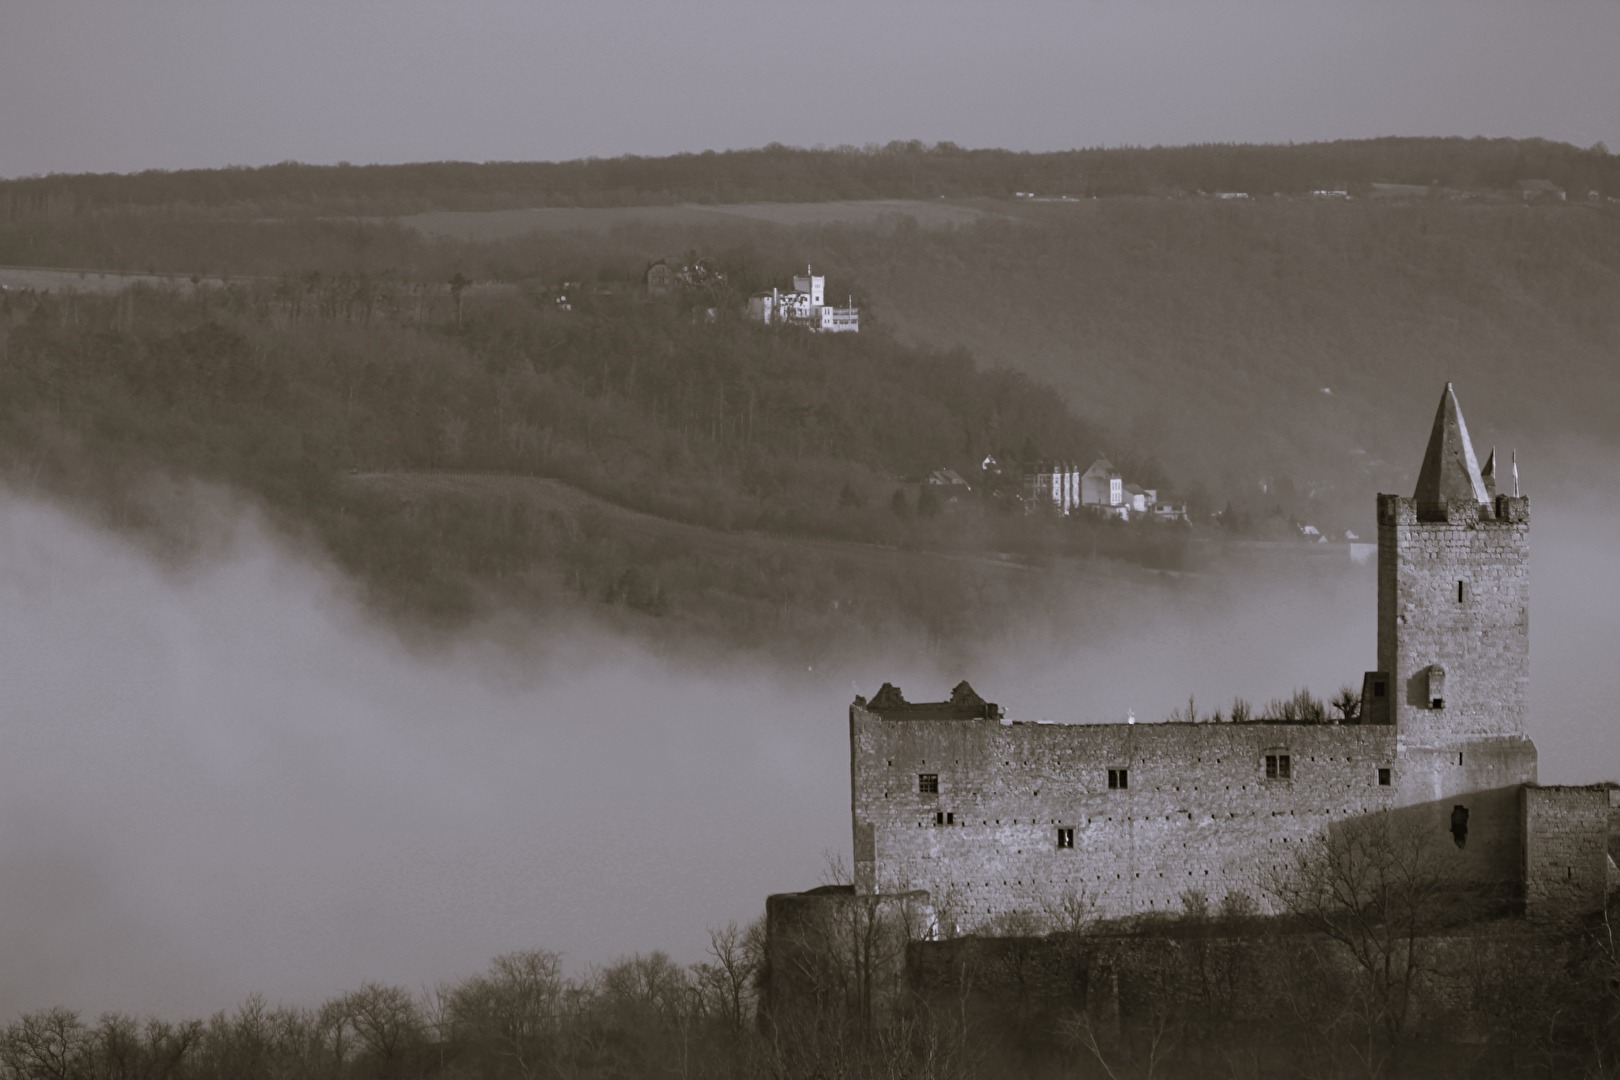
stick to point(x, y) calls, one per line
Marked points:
point(1374, 889)
point(48, 1045)
point(388, 1023)
point(508, 1016)
point(729, 981)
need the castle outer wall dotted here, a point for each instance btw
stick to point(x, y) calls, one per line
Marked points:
point(1198, 811)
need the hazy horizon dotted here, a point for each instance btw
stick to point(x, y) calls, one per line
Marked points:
point(103, 87)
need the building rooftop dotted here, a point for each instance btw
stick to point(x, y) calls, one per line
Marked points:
point(1450, 473)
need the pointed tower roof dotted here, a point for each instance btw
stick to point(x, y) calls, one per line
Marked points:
point(1488, 473)
point(1450, 472)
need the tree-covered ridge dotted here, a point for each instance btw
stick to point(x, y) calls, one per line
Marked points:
point(311, 404)
point(779, 173)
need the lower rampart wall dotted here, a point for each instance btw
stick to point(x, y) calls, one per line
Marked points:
point(1569, 833)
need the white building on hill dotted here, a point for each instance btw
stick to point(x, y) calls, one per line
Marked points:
point(805, 306)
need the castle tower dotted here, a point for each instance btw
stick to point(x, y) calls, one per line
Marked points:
point(1453, 645)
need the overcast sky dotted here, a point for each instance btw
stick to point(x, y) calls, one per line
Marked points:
point(108, 85)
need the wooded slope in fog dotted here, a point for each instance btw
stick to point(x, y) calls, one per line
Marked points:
point(1279, 355)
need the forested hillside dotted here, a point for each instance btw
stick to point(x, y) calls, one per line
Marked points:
point(321, 411)
point(1279, 356)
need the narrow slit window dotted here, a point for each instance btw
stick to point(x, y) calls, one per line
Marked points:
point(1461, 594)
point(950, 817)
point(1118, 779)
point(1065, 839)
point(939, 817)
point(928, 783)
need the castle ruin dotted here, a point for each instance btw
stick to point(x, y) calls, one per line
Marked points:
point(990, 816)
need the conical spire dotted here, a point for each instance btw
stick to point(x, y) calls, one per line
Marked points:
point(1488, 474)
point(1450, 473)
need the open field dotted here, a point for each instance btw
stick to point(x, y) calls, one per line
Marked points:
point(478, 225)
point(556, 496)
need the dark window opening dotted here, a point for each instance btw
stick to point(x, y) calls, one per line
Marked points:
point(939, 817)
point(1065, 838)
point(950, 817)
point(1383, 778)
point(1279, 767)
point(1437, 703)
point(1459, 825)
point(928, 783)
point(1460, 594)
point(1118, 779)
point(1459, 757)
point(1378, 689)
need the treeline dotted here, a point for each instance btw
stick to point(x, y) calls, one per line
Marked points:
point(643, 1015)
point(777, 173)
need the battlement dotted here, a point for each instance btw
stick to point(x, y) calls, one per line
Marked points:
point(1396, 510)
point(963, 704)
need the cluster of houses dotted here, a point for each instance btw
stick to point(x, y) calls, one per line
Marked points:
point(1098, 489)
point(805, 306)
point(1063, 486)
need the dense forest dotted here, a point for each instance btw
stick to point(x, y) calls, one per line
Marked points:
point(779, 173)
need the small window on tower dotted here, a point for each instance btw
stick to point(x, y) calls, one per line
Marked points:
point(939, 817)
point(928, 783)
point(1461, 593)
point(1378, 689)
point(1118, 779)
point(1065, 839)
point(1383, 778)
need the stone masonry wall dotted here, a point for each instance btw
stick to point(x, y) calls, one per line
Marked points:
point(1566, 849)
point(1198, 811)
point(1480, 637)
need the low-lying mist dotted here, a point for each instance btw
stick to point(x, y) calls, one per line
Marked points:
point(224, 778)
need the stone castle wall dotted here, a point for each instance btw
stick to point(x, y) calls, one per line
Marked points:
point(1568, 836)
point(1198, 813)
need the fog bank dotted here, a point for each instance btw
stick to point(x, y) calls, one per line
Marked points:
point(226, 779)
